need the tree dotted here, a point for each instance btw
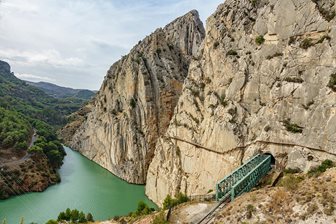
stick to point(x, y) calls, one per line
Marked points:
point(51, 221)
point(142, 209)
point(74, 215)
point(67, 214)
point(9, 141)
point(167, 202)
point(89, 217)
point(35, 149)
point(61, 216)
point(81, 218)
point(21, 145)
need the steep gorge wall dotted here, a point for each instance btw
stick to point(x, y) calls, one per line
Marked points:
point(120, 127)
point(264, 81)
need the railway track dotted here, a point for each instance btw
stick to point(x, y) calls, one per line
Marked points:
point(209, 218)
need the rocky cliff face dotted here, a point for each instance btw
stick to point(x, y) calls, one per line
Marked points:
point(33, 173)
point(5, 67)
point(264, 81)
point(136, 101)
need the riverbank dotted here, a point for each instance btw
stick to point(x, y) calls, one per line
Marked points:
point(84, 186)
point(31, 173)
point(22, 172)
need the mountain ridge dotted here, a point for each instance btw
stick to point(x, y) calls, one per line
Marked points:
point(58, 91)
point(134, 105)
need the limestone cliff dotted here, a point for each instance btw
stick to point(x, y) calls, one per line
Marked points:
point(135, 103)
point(264, 81)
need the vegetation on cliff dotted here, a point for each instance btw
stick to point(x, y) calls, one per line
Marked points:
point(72, 216)
point(30, 151)
point(15, 130)
point(17, 95)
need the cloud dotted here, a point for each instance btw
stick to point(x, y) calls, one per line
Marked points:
point(34, 78)
point(75, 42)
point(32, 58)
point(25, 6)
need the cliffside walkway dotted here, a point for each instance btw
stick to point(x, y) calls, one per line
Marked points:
point(241, 180)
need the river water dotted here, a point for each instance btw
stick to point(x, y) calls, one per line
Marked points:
point(85, 186)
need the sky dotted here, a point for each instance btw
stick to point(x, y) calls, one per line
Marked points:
point(74, 42)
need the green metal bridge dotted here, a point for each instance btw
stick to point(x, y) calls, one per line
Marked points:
point(241, 180)
point(244, 178)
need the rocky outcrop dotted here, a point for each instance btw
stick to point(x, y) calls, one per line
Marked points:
point(136, 100)
point(297, 199)
point(32, 173)
point(5, 67)
point(264, 82)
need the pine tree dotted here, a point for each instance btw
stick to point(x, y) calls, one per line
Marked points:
point(89, 217)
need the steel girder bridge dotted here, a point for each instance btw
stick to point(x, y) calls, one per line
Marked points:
point(244, 178)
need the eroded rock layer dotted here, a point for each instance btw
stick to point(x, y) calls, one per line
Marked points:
point(120, 127)
point(265, 81)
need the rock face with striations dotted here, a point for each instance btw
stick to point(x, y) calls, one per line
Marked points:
point(120, 127)
point(265, 81)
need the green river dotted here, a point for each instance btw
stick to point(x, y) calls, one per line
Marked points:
point(85, 186)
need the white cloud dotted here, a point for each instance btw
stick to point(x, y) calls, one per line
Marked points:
point(80, 39)
point(34, 78)
point(26, 6)
point(31, 58)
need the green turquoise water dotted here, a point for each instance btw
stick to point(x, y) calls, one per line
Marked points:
point(85, 186)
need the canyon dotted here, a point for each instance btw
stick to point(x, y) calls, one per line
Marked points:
point(137, 100)
point(186, 106)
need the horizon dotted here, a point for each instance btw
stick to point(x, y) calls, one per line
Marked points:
point(63, 42)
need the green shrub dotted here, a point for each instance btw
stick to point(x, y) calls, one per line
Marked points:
point(254, 2)
point(160, 219)
point(327, 14)
point(259, 40)
point(81, 217)
point(89, 217)
point(231, 52)
point(132, 103)
point(51, 221)
point(325, 37)
point(250, 209)
point(292, 171)
point(330, 15)
point(291, 40)
point(326, 164)
point(142, 209)
point(278, 54)
point(74, 216)
point(291, 127)
point(332, 82)
point(291, 181)
point(306, 43)
point(294, 79)
point(170, 202)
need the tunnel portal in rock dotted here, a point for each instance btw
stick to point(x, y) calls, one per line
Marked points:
point(272, 158)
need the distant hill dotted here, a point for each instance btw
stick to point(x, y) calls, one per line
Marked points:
point(62, 92)
point(30, 150)
point(17, 95)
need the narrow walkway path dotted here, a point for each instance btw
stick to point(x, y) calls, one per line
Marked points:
point(26, 155)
